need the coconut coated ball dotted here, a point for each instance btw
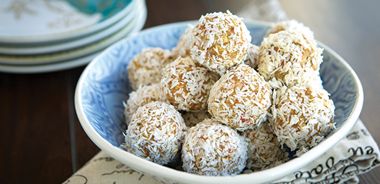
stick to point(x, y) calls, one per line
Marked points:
point(146, 67)
point(301, 117)
point(142, 96)
point(291, 25)
point(240, 99)
point(290, 59)
point(155, 133)
point(264, 149)
point(193, 118)
point(221, 40)
point(213, 149)
point(186, 84)
point(184, 44)
point(252, 56)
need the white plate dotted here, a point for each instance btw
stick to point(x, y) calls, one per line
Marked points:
point(61, 46)
point(65, 55)
point(73, 53)
point(38, 21)
point(71, 63)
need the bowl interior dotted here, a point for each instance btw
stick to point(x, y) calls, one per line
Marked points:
point(106, 84)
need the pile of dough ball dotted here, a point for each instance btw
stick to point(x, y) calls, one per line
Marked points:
point(220, 106)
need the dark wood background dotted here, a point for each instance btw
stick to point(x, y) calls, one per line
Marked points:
point(41, 138)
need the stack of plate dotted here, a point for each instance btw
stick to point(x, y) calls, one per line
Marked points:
point(48, 35)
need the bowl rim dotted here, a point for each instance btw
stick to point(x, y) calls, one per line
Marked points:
point(267, 175)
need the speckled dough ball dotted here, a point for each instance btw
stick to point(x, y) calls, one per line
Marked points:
point(240, 98)
point(220, 41)
point(264, 149)
point(155, 132)
point(186, 84)
point(252, 56)
point(142, 96)
point(184, 44)
point(291, 59)
point(146, 67)
point(291, 25)
point(302, 116)
point(193, 118)
point(213, 149)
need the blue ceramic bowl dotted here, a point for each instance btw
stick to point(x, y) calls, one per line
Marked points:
point(103, 87)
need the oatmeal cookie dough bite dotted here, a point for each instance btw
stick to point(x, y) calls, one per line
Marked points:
point(290, 59)
point(221, 40)
point(301, 117)
point(213, 149)
point(142, 96)
point(155, 133)
point(240, 99)
point(292, 26)
point(193, 118)
point(252, 56)
point(187, 84)
point(184, 44)
point(146, 67)
point(264, 150)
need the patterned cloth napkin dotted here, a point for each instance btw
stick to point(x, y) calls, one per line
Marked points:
point(357, 153)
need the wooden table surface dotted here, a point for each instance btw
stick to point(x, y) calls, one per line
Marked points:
point(41, 138)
